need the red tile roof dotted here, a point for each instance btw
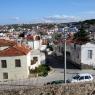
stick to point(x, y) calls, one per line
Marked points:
point(16, 50)
point(69, 41)
point(4, 42)
point(29, 37)
point(32, 38)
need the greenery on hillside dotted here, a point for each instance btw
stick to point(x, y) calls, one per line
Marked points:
point(57, 36)
point(82, 36)
point(92, 21)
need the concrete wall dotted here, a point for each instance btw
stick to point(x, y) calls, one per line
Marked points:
point(37, 44)
point(84, 54)
point(75, 53)
point(31, 44)
point(79, 54)
point(58, 49)
point(34, 44)
point(43, 47)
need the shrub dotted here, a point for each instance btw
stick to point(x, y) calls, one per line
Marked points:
point(42, 70)
point(43, 74)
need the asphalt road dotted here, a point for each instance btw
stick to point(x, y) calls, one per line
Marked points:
point(58, 62)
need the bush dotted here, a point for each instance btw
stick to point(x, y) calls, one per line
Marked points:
point(42, 70)
point(43, 67)
point(43, 74)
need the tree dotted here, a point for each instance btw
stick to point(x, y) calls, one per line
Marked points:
point(57, 36)
point(82, 36)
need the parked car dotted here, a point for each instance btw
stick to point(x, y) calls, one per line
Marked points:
point(55, 82)
point(81, 78)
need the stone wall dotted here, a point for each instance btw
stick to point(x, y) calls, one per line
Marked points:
point(63, 89)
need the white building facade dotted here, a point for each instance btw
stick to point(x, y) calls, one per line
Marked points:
point(11, 70)
point(36, 42)
point(83, 54)
point(17, 61)
point(14, 63)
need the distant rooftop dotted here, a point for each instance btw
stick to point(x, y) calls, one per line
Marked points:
point(4, 42)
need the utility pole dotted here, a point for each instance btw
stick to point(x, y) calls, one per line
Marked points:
point(65, 30)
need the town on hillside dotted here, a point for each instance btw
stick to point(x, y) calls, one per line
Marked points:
point(47, 47)
point(39, 54)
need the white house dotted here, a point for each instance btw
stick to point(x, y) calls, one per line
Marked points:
point(36, 42)
point(43, 45)
point(33, 41)
point(83, 54)
point(15, 62)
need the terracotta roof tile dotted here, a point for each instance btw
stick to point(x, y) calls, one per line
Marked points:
point(29, 37)
point(4, 42)
point(16, 50)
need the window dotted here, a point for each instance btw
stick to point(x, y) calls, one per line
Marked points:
point(3, 64)
point(86, 77)
point(17, 63)
point(5, 75)
point(35, 59)
point(81, 78)
point(76, 77)
point(90, 54)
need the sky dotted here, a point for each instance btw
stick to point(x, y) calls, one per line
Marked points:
point(33, 11)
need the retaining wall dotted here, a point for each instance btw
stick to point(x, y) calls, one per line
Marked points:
point(63, 89)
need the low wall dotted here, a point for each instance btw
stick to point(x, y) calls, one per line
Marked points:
point(64, 89)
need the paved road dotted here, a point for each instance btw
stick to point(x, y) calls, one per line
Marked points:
point(58, 62)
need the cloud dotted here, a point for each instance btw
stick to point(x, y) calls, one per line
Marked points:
point(14, 18)
point(56, 19)
point(69, 18)
point(61, 18)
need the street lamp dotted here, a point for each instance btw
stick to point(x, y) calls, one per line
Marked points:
point(65, 35)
